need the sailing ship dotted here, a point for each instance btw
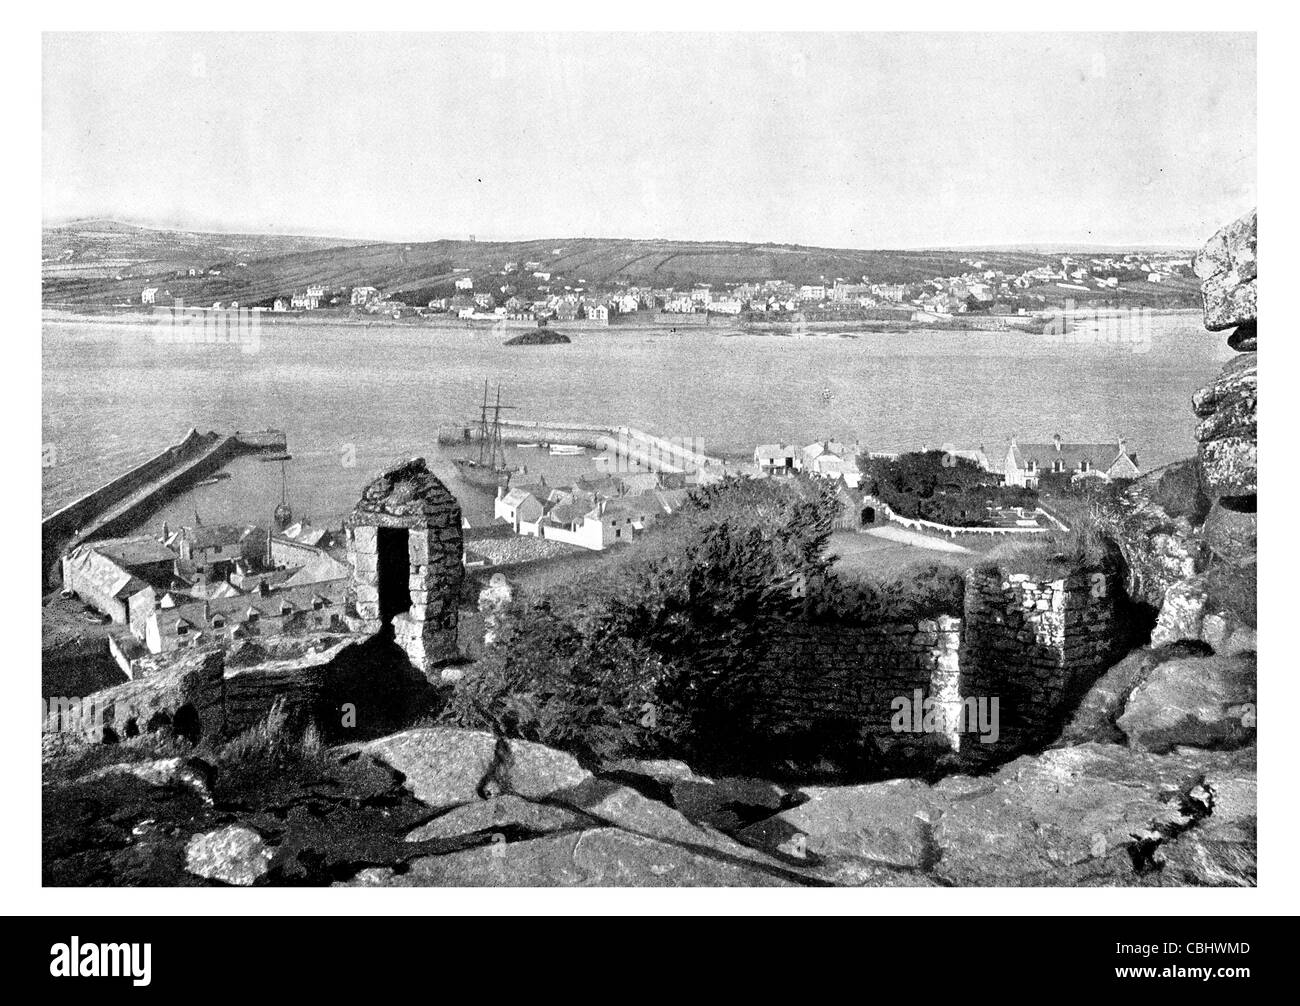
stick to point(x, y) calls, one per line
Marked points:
point(283, 514)
point(489, 469)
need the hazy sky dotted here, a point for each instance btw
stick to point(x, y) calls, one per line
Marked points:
point(852, 140)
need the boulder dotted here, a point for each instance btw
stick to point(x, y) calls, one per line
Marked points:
point(1227, 405)
point(1228, 270)
point(445, 766)
point(1194, 701)
point(231, 855)
point(1211, 606)
point(1230, 465)
point(1230, 535)
point(1094, 719)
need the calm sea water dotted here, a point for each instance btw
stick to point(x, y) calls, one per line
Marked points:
point(113, 394)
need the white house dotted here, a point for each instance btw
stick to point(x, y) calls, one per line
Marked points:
point(778, 459)
point(516, 506)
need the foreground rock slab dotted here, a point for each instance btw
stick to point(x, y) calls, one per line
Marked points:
point(604, 857)
point(1093, 814)
point(445, 766)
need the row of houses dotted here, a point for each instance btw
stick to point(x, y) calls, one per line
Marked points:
point(830, 459)
point(593, 516)
point(206, 583)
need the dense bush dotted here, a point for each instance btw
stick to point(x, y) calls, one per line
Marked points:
point(940, 487)
point(657, 653)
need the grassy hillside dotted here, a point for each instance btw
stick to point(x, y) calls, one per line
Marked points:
point(101, 263)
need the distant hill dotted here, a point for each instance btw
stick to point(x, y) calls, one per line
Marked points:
point(103, 262)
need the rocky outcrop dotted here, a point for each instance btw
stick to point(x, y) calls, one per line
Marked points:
point(1093, 813)
point(1155, 523)
point(1227, 437)
point(1217, 607)
point(1227, 268)
point(1088, 815)
point(1199, 701)
point(1188, 532)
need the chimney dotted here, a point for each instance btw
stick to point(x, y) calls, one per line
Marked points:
point(1056, 439)
point(501, 492)
point(166, 531)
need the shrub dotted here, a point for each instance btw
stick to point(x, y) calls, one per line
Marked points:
point(277, 746)
point(657, 652)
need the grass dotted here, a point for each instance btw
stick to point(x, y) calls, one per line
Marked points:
point(1051, 556)
point(276, 751)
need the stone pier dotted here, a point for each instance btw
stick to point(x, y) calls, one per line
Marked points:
point(405, 549)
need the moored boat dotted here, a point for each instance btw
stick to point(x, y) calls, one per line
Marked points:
point(489, 470)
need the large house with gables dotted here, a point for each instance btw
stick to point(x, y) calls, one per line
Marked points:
point(1027, 463)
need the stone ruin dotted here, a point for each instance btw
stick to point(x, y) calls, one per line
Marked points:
point(406, 554)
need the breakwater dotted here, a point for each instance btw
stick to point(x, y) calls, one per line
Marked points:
point(120, 504)
point(634, 449)
point(526, 431)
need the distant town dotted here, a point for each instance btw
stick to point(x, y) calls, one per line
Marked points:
point(536, 291)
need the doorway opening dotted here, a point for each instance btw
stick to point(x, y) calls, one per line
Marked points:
point(394, 567)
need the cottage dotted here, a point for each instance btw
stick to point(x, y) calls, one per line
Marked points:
point(516, 506)
point(107, 574)
point(1027, 463)
point(777, 459)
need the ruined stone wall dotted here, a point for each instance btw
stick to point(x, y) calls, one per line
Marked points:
point(1036, 646)
point(816, 675)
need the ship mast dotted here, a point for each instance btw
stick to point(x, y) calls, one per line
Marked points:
point(496, 430)
point(483, 424)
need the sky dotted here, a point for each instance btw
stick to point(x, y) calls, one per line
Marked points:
point(840, 140)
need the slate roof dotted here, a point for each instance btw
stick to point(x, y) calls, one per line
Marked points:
point(1044, 456)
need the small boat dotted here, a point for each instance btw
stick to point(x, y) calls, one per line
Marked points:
point(276, 457)
point(565, 450)
point(528, 445)
point(214, 479)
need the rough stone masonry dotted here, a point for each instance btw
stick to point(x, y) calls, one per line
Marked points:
point(405, 549)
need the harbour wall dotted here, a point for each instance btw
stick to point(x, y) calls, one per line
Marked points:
point(118, 506)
